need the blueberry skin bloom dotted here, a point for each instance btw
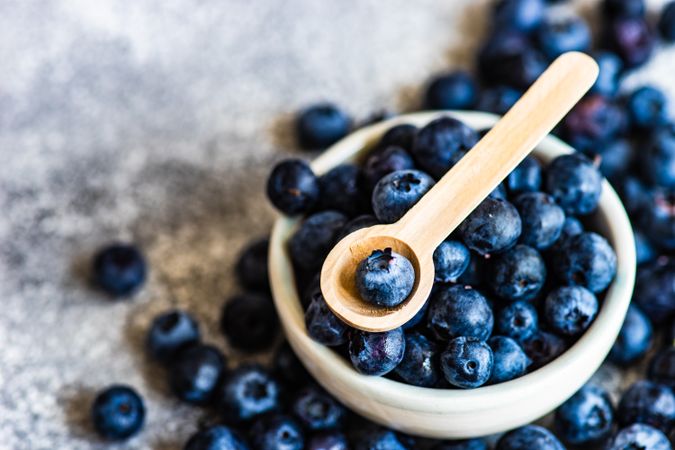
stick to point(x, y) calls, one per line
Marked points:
point(459, 311)
point(586, 418)
point(322, 324)
point(667, 22)
point(120, 269)
point(343, 189)
point(542, 348)
point(542, 219)
point(465, 444)
point(526, 177)
point(277, 432)
point(251, 268)
point(312, 242)
point(385, 278)
point(574, 183)
point(560, 34)
point(585, 260)
point(316, 410)
point(648, 108)
point(195, 373)
point(436, 144)
point(451, 258)
point(634, 339)
point(648, 403)
point(217, 437)
point(419, 365)
point(118, 412)
point(518, 274)
point(250, 322)
point(517, 320)
point(384, 161)
point(321, 125)
point(292, 187)
point(510, 361)
point(171, 332)
point(456, 90)
point(247, 392)
point(376, 353)
point(467, 362)
point(494, 226)
point(639, 436)
point(328, 440)
point(529, 437)
point(397, 192)
point(658, 164)
point(662, 367)
point(570, 310)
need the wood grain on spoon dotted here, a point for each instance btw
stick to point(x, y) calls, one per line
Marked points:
point(417, 234)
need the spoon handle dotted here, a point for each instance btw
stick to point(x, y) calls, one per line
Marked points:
point(490, 161)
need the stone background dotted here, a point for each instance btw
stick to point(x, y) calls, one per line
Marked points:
point(156, 121)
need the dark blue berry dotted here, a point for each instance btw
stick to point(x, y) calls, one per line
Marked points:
point(451, 258)
point(647, 108)
point(585, 260)
point(310, 245)
point(635, 195)
point(376, 353)
point(494, 226)
point(251, 268)
point(118, 412)
point(377, 438)
point(517, 320)
point(385, 161)
point(459, 311)
point(317, 410)
point(623, 8)
point(667, 22)
point(328, 440)
point(570, 310)
point(662, 367)
point(562, 33)
point(510, 361)
point(610, 70)
point(476, 273)
point(467, 362)
point(436, 144)
point(465, 444)
point(277, 432)
point(288, 368)
point(419, 365)
point(455, 90)
point(632, 39)
point(170, 333)
point(586, 418)
point(644, 250)
point(615, 158)
point(529, 437)
point(542, 219)
point(343, 189)
point(249, 322)
point(655, 290)
point(247, 392)
point(648, 403)
point(385, 278)
point(417, 318)
point(216, 437)
point(657, 217)
point(355, 224)
point(518, 273)
point(542, 348)
point(639, 436)
point(527, 177)
point(509, 58)
point(634, 339)
point(120, 269)
point(322, 324)
point(321, 125)
point(497, 99)
point(575, 183)
point(571, 227)
point(195, 373)
point(402, 136)
point(592, 122)
point(658, 162)
point(397, 192)
point(292, 187)
point(524, 15)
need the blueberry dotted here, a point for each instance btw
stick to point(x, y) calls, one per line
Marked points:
point(397, 192)
point(644, 250)
point(524, 15)
point(216, 437)
point(467, 362)
point(575, 183)
point(662, 367)
point(634, 194)
point(647, 108)
point(321, 125)
point(376, 353)
point(586, 418)
point(526, 177)
point(118, 412)
point(634, 339)
point(518, 273)
point(459, 311)
point(327, 440)
point(570, 310)
point(195, 373)
point(529, 437)
point(437, 143)
point(541, 217)
point(639, 436)
point(312, 242)
point(251, 268)
point(316, 410)
point(510, 361)
point(419, 365)
point(465, 444)
point(494, 226)
point(623, 8)
point(247, 392)
point(571, 227)
point(417, 318)
point(377, 438)
point(658, 217)
point(322, 325)
point(455, 90)
point(509, 58)
point(632, 39)
point(615, 158)
point(667, 22)
point(517, 320)
point(562, 33)
point(497, 99)
point(610, 66)
point(451, 258)
point(343, 189)
point(292, 187)
point(120, 269)
point(357, 223)
point(288, 368)
point(655, 290)
point(385, 278)
point(542, 348)
point(402, 136)
point(249, 321)
point(277, 432)
point(592, 122)
point(383, 162)
point(585, 260)
point(648, 403)
point(171, 332)
point(658, 162)
point(476, 273)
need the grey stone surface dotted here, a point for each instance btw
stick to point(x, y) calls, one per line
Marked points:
point(157, 121)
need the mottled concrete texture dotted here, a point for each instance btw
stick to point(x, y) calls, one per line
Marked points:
point(156, 121)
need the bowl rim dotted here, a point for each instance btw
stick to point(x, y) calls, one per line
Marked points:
point(600, 335)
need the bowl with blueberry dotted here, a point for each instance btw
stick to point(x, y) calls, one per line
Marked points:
point(529, 293)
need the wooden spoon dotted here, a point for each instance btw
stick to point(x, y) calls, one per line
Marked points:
point(417, 234)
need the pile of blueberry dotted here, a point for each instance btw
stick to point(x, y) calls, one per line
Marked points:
point(516, 284)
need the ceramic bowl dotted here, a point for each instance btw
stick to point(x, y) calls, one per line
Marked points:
point(448, 413)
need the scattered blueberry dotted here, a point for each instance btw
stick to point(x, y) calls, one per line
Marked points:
point(322, 324)
point(523, 15)
point(610, 66)
point(635, 195)
point(639, 436)
point(632, 39)
point(249, 321)
point(321, 125)
point(292, 187)
point(644, 250)
point(542, 348)
point(397, 192)
point(385, 278)
point(527, 177)
point(288, 368)
point(585, 260)
point(560, 33)
point(518, 273)
point(658, 162)
point(171, 332)
point(570, 310)
point(667, 22)
point(662, 367)
point(648, 403)
point(247, 392)
point(437, 142)
point(517, 320)
point(312, 242)
point(456, 90)
point(591, 123)
point(623, 8)
point(467, 362)
point(509, 58)
point(120, 269)
point(251, 268)
point(529, 437)
point(383, 162)
point(615, 158)
point(648, 108)
point(494, 226)
point(195, 373)
point(657, 217)
point(451, 258)
point(376, 353)
point(216, 437)
point(459, 311)
point(316, 410)
point(118, 412)
point(655, 290)
point(510, 361)
point(574, 183)
point(586, 418)
point(276, 432)
point(497, 99)
point(343, 189)
point(634, 339)
point(419, 366)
